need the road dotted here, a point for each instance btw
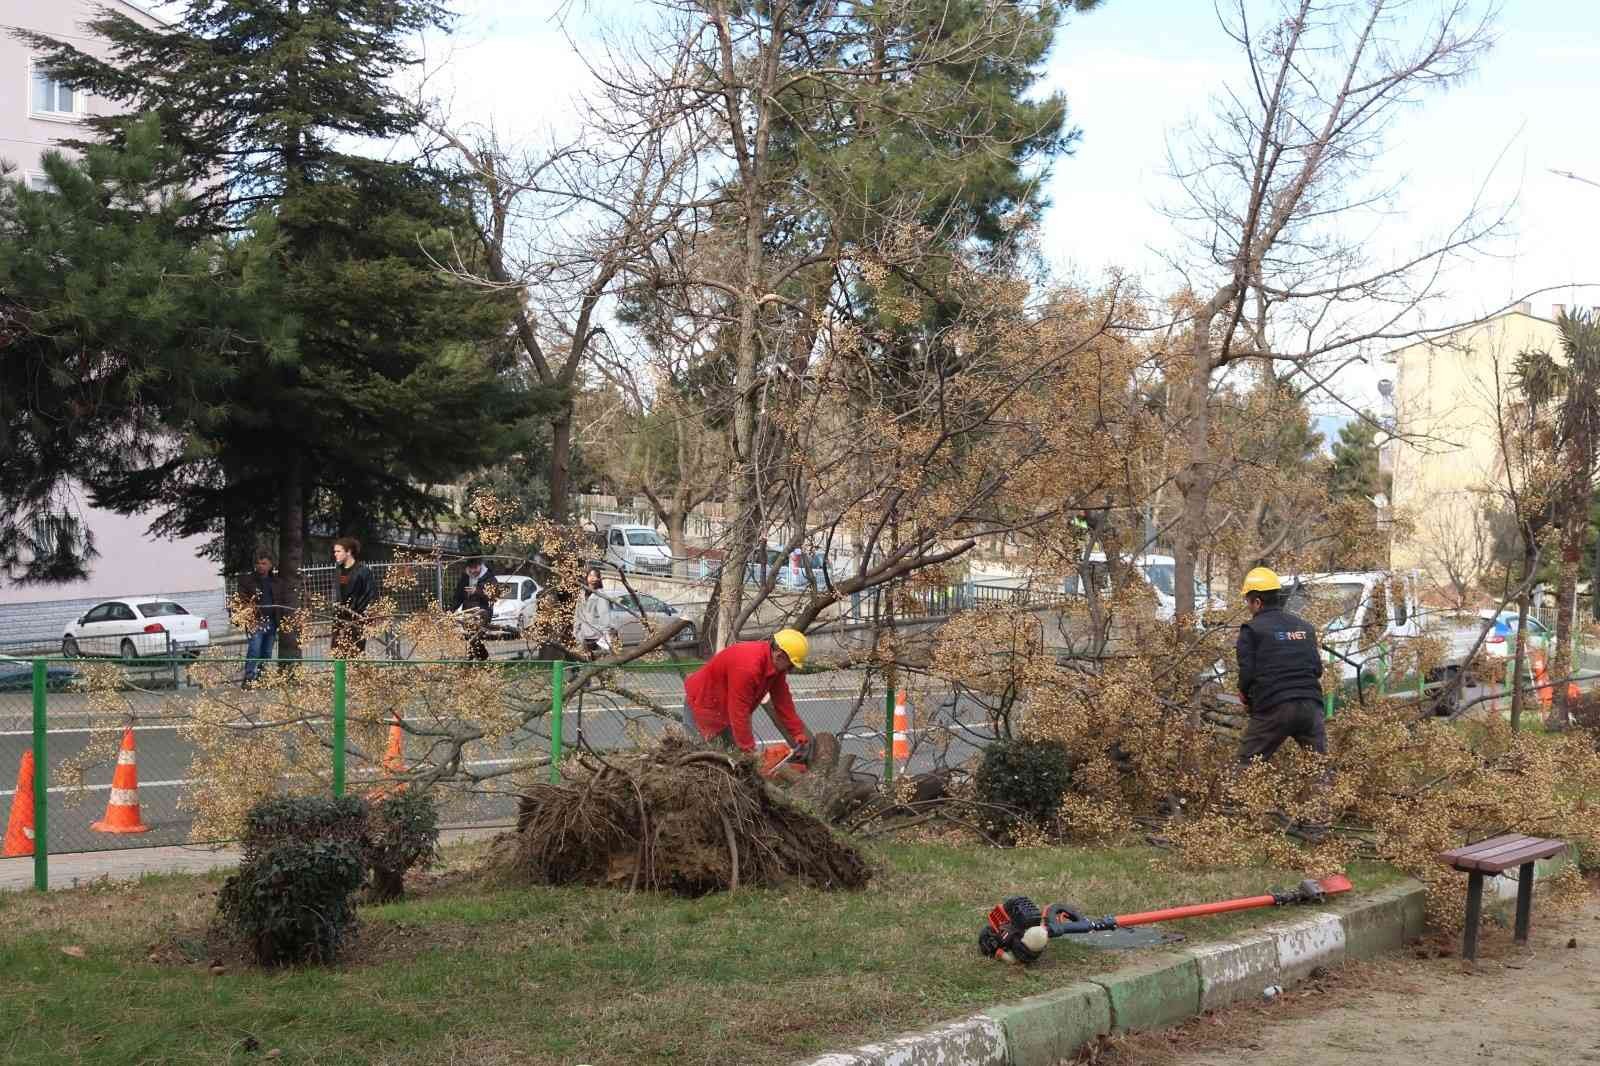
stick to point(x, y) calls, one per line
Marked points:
point(604, 721)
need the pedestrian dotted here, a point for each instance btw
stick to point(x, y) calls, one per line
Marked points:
point(1280, 673)
point(593, 623)
point(355, 590)
point(720, 697)
point(475, 596)
point(259, 589)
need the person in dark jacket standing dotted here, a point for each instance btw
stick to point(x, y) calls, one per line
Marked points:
point(1280, 673)
point(475, 596)
point(355, 589)
point(259, 589)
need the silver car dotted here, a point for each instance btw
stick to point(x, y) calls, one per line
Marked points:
point(630, 628)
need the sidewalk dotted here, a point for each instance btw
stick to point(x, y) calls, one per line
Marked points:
point(74, 869)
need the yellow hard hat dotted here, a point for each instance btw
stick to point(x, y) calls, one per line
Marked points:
point(1261, 579)
point(794, 645)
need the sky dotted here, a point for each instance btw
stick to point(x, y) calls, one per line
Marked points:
point(1135, 72)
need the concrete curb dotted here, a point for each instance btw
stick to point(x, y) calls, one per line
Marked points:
point(1158, 990)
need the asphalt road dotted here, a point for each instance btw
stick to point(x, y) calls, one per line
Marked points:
point(603, 721)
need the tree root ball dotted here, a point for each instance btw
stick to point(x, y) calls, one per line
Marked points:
point(674, 819)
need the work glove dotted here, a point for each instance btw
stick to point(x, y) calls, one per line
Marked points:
point(802, 751)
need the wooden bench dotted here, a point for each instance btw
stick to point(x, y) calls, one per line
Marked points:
point(1494, 856)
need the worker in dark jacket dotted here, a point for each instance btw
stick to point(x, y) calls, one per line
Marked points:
point(475, 596)
point(720, 697)
point(355, 590)
point(1280, 673)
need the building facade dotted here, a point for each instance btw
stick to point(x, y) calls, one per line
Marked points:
point(1445, 456)
point(35, 115)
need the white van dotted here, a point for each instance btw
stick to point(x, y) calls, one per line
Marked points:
point(1159, 573)
point(638, 549)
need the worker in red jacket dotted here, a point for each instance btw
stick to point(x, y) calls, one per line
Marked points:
point(720, 697)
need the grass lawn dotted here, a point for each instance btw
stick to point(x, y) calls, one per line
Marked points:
point(563, 976)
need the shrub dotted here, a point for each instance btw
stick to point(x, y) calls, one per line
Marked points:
point(404, 835)
point(292, 900)
point(1025, 777)
point(286, 819)
point(304, 856)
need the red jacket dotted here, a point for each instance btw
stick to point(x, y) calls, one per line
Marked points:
point(725, 692)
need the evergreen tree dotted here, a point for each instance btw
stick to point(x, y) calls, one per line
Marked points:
point(387, 376)
point(1355, 461)
point(105, 311)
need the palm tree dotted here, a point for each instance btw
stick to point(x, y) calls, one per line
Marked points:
point(1567, 388)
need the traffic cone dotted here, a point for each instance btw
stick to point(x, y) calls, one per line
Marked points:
point(394, 761)
point(902, 728)
point(19, 827)
point(1541, 680)
point(122, 811)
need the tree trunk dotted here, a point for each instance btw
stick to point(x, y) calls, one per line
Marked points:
point(1529, 557)
point(560, 462)
point(1566, 602)
point(676, 521)
point(291, 556)
point(1193, 481)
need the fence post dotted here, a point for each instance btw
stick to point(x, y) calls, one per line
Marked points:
point(558, 680)
point(172, 660)
point(41, 773)
point(338, 726)
point(438, 580)
point(888, 728)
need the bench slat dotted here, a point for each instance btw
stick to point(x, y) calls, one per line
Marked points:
point(1472, 849)
point(1498, 854)
point(1502, 863)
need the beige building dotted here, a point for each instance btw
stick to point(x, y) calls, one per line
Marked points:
point(35, 115)
point(1445, 457)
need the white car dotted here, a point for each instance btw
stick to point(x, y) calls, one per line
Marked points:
point(638, 549)
point(145, 626)
point(516, 600)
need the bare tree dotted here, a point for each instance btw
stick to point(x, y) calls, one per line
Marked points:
point(1458, 546)
point(1269, 191)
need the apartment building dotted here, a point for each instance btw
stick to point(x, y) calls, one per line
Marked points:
point(1446, 452)
point(35, 115)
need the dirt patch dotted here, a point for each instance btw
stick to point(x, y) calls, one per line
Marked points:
point(1532, 1005)
point(674, 819)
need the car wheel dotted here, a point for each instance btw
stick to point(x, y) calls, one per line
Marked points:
point(69, 647)
point(129, 652)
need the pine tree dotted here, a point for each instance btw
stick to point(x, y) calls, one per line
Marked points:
point(386, 376)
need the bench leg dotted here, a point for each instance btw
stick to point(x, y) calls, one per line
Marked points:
point(1524, 900)
point(1469, 943)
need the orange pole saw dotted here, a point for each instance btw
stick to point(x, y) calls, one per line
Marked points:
point(1017, 931)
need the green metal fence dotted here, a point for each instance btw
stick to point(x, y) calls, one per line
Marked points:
point(336, 718)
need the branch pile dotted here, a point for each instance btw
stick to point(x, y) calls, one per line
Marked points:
point(673, 819)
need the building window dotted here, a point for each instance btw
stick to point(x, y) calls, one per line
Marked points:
point(39, 182)
point(54, 99)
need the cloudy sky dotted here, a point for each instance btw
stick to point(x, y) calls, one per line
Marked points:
point(1135, 72)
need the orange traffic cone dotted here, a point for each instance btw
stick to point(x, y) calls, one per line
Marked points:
point(394, 759)
point(122, 812)
point(1541, 679)
point(902, 728)
point(19, 827)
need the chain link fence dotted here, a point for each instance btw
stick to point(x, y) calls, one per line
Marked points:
point(493, 726)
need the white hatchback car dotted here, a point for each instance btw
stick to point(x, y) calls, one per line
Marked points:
point(514, 605)
point(146, 626)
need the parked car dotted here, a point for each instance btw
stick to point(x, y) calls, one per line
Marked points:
point(517, 599)
point(1501, 637)
point(630, 629)
point(132, 628)
point(16, 675)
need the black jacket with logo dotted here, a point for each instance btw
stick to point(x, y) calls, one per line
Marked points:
point(1278, 660)
point(354, 591)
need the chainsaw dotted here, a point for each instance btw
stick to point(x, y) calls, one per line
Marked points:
point(1018, 931)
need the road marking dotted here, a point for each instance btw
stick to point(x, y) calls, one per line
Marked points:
point(570, 708)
